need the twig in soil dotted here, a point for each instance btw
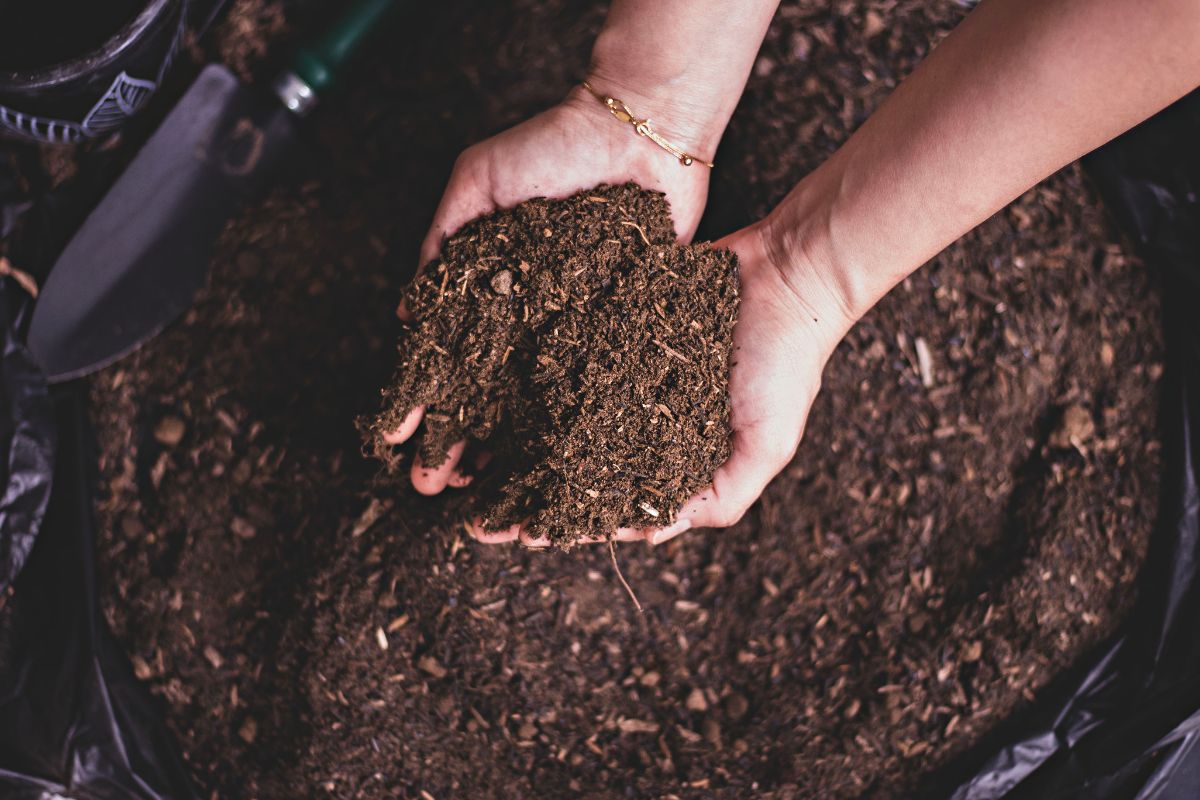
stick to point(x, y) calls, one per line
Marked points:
point(612, 551)
point(641, 231)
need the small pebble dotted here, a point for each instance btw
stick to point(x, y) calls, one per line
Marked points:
point(502, 282)
point(170, 430)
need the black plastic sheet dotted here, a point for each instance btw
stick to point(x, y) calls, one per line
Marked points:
point(26, 428)
point(74, 721)
point(1127, 725)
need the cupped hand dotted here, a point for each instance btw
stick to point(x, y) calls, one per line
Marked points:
point(573, 146)
point(789, 323)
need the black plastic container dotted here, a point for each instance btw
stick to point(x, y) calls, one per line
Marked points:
point(95, 92)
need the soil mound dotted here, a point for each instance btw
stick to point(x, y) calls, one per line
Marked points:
point(588, 349)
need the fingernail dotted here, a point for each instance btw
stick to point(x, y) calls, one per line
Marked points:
point(671, 531)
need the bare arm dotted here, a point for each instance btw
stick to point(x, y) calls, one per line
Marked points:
point(1018, 90)
point(682, 62)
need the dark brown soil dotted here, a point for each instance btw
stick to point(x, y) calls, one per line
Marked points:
point(931, 559)
point(587, 349)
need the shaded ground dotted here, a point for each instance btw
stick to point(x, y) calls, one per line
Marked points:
point(934, 555)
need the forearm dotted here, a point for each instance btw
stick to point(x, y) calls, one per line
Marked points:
point(1020, 89)
point(683, 63)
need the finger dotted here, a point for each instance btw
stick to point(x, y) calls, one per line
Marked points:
point(657, 536)
point(755, 460)
point(431, 480)
point(508, 534)
point(406, 428)
point(403, 313)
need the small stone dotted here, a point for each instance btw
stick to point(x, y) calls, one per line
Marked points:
point(1075, 430)
point(650, 679)
point(527, 730)
point(170, 430)
point(973, 652)
point(141, 668)
point(249, 730)
point(381, 639)
point(502, 282)
point(696, 702)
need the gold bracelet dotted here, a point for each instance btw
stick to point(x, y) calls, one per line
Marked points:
point(642, 127)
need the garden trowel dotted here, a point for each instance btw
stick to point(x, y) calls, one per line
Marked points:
point(139, 258)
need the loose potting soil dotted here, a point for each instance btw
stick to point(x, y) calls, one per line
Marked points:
point(948, 539)
point(586, 347)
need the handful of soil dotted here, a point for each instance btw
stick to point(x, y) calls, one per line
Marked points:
point(588, 349)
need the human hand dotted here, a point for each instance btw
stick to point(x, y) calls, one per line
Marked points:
point(789, 321)
point(573, 146)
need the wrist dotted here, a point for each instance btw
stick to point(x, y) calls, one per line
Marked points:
point(817, 238)
point(681, 105)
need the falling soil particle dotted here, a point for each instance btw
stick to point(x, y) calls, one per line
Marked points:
point(586, 348)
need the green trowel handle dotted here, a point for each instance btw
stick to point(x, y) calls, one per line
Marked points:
point(320, 63)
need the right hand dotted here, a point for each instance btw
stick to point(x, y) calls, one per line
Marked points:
point(571, 147)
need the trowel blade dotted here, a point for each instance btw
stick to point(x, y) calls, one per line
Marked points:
point(139, 258)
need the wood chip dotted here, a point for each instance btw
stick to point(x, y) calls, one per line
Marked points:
point(924, 362)
point(24, 279)
point(627, 725)
point(431, 666)
point(370, 515)
point(213, 656)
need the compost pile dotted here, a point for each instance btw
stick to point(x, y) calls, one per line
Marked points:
point(957, 528)
point(598, 347)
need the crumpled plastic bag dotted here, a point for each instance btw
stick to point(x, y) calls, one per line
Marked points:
point(74, 721)
point(1127, 724)
point(26, 427)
